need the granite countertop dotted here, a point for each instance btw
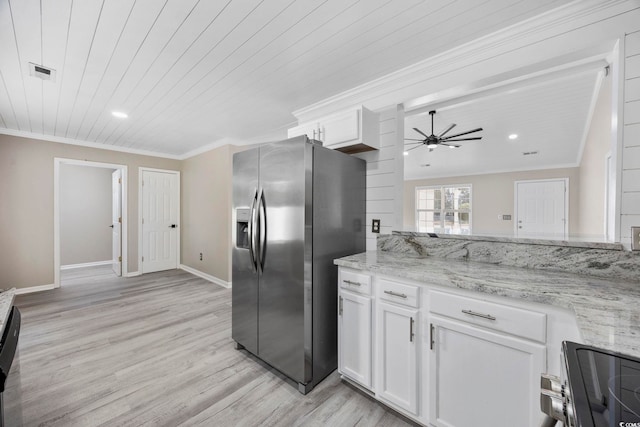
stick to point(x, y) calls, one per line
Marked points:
point(607, 311)
point(6, 302)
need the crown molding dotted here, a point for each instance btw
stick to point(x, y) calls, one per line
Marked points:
point(494, 171)
point(87, 144)
point(557, 22)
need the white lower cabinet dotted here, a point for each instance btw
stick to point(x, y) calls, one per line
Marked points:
point(397, 356)
point(354, 337)
point(447, 358)
point(482, 378)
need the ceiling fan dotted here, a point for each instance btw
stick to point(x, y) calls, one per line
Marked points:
point(432, 141)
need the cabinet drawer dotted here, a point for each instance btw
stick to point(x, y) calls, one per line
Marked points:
point(512, 320)
point(355, 282)
point(399, 293)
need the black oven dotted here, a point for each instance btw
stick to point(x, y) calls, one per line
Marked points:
point(600, 389)
point(8, 346)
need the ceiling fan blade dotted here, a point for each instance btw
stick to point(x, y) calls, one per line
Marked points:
point(463, 133)
point(413, 148)
point(421, 133)
point(448, 129)
point(413, 139)
point(451, 145)
point(463, 139)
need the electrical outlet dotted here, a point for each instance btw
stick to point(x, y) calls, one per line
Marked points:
point(375, 226)
point(635, 238)
point(200, 256)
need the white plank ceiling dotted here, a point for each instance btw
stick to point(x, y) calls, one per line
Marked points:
point(550, 118)
point(192, 72)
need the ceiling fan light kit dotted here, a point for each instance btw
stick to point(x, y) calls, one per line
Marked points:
point(432, 141)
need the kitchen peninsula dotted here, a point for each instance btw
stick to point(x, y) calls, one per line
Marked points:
point(480, 314)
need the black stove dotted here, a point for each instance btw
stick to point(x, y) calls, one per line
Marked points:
point(602, 389)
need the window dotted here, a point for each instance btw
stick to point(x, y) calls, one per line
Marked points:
point(444, 209)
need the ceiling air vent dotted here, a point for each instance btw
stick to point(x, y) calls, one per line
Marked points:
point(529, 153)
point(42, 72)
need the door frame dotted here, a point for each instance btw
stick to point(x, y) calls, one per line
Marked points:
point(142, 169)
point(566, 202)
point(57, 163)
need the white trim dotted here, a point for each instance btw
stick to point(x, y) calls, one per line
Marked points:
point(142, 169)
point(133, 274)
point(32, 289)
point(80, 143)
point(85, 265)
point(566, 203)
point(205, 276)
point(57, 162)
point(592, 108)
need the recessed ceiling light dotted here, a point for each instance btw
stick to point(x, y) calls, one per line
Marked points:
point(119, 114)
point(513, 136)
point(406, 153)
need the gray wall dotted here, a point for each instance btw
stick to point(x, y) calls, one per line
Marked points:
point(26, 210)
point(85, 214)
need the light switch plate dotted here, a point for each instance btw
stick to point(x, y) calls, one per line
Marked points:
point(635, 238)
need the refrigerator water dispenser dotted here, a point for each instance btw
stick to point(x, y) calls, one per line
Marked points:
point(242, 228)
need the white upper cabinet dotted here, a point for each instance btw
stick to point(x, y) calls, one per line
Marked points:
point(351, 131)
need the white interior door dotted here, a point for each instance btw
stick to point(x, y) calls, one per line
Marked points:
point(116, 221)
point(541, 209)
point(160, 218)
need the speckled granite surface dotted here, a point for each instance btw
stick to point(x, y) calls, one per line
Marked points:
point(607, 310)
point(605, 260)
point(6, 302)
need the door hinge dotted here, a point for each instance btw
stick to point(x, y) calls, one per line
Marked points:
point(143, 259)
point(143, 220)
point(119, 180)
point(340, 306)
point(431, 340)
point(120, 219)
point(119, 259)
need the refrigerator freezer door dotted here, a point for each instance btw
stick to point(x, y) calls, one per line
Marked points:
point(244, 318)
point(284, 316)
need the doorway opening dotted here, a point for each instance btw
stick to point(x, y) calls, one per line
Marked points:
point(90, 220)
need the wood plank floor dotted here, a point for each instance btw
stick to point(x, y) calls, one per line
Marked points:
point(156, 350)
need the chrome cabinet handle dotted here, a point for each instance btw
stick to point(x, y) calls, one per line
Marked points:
point(349, 282)
point(411, 334)
point(484, 316)
point(395, 294)
point(340, 306)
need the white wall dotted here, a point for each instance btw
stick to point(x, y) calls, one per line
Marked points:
point(85, 214)
point(385, 175)
point(630, 202)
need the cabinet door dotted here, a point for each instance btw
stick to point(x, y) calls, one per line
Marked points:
point(482, 378)
point(340, 128)
point(397, 373)
point(354, 337)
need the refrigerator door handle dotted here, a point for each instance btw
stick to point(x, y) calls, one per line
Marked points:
point(251, 231)
point(262, 231)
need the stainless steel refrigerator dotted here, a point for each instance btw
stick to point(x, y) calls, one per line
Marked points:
point(296, 207)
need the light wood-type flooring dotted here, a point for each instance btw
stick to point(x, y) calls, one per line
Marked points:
point(156, 350)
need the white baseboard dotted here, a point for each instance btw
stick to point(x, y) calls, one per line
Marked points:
point(132, 274)
point(205, 276)
point(31, 289)
point(86, 264)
